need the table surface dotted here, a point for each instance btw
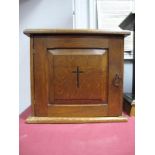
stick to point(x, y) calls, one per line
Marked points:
point(76, 139)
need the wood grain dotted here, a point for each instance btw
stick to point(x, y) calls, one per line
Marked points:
point(132, 112)
point(92, 62)
point(68, 120)
point(32, 75)
point(76, 41)
point(40, 78)
point(75, 31)
point(115, 97)
point(77, 110)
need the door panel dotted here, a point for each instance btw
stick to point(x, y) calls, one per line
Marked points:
point(78, 76)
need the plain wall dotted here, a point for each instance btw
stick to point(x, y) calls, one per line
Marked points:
point(38, 14)
point(128, 69)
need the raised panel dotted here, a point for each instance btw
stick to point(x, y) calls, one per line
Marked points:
point(92, 68)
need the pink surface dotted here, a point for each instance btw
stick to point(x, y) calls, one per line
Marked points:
point(76, 139)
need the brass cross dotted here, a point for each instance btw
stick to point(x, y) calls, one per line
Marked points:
point(77, 71)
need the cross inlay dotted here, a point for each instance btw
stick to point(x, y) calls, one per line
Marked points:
point(77, 71)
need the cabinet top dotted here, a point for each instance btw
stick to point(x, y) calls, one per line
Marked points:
point(28, 32)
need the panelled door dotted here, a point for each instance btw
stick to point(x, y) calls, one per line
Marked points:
point(78, 76)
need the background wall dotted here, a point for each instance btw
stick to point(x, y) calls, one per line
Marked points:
point(128, 76)
point(38, 14)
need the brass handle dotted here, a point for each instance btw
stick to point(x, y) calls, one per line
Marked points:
point(117, 80)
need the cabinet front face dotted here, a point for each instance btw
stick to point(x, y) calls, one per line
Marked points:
point(78, 76)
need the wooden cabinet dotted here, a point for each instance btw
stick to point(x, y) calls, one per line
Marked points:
point(76, 75)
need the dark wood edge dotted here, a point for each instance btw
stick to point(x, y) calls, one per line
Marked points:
point(32, 75)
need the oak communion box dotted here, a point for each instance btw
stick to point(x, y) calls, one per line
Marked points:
point(76, 75)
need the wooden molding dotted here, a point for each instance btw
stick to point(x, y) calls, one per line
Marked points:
point(28, 32)
point(75, 120)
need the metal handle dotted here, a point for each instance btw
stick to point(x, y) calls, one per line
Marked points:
point(117, 80)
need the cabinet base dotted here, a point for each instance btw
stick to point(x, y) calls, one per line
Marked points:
point(74, 120)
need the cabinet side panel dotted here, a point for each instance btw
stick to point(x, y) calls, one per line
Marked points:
point(115, 86)
point(32, 76)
